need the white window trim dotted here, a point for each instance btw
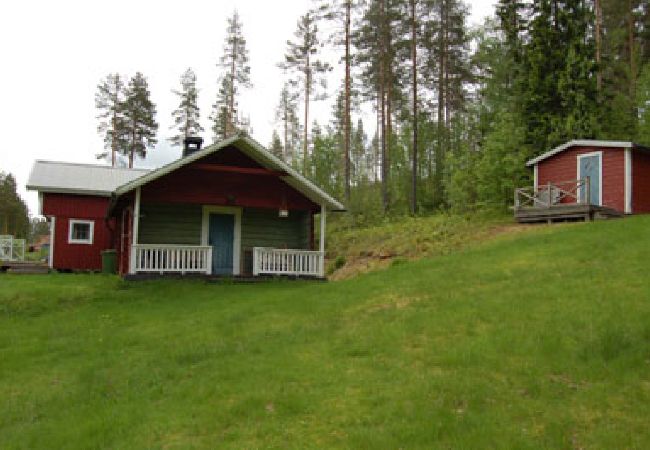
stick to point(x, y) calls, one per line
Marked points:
point(88, 241)
point(600, 173)
point(205, 226)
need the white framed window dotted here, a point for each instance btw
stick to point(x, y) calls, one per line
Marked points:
point(81, 231)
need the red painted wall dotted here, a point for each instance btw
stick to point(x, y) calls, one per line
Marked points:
point(564, 167)
point(192, 184)
point(65, 207)
point(640, 181)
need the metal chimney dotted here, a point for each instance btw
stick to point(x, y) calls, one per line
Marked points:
point(191, 144)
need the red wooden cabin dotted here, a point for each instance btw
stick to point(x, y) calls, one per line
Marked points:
point(231, 208)
point(583, 178)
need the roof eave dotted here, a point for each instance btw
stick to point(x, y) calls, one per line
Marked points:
point(56, 190)
point(582, 142)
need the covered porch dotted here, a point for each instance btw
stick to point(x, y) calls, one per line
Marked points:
point(219, 240)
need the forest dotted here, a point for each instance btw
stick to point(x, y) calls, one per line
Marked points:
point(456, 109)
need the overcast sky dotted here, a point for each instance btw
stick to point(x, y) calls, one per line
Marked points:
point(53, 54)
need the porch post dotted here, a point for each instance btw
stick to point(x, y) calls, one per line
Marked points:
point(135, 228)
point(50, 256)
point(322, 227)
point(321, 257)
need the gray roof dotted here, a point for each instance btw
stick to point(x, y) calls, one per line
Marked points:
point(85, 179)
point(584, 143)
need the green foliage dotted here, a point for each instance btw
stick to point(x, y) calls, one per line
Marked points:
point(643, 92)
point(535, 340)
point(109, 101)
point(226, 117)
point(14, 216)
point(140, 124)
point(187, 116)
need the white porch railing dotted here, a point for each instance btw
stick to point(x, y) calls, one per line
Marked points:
point(163, 258)
point(275, 261)
point(11, 249)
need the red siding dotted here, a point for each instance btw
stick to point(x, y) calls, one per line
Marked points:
point(640, 181)
point(564, 167)
point(65, 207)
point(191, 184)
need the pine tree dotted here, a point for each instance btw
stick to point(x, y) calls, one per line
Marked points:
point(276, 145)
point(140, 118)
point(109, 100)
point(186, 117)
point(301, 58)
point(237, 70)
point(220, 117)
point(14, 217)
point(286, 114)
point(340, 13)
point(380, 42)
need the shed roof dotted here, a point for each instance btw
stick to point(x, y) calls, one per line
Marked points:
point(85, 179)
point(254, 150)
point(584, 143)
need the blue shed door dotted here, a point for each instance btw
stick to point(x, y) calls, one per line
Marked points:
point(221, 238)
point(590, 167)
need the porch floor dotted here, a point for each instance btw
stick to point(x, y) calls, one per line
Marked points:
point(564, 212)
point(219, 278)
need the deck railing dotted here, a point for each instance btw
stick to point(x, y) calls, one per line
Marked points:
point(161, 258)
point(549, 194)
point(275, 261)
point(11, 249)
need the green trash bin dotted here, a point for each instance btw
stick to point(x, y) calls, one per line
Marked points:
point(109, 261)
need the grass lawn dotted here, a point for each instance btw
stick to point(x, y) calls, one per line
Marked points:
point(538, 339)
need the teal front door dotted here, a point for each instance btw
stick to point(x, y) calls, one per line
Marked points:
point(221, 237)
point(589, 166)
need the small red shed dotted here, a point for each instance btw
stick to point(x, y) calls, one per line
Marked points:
point(611, 175)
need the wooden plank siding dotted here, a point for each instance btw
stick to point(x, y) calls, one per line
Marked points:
point(171, 223)
point(640, 181)
point(71, 256)
point(263, 228)
point(564, 167)
point(181, 224)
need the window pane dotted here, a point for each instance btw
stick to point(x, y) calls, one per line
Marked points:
point(81, 231)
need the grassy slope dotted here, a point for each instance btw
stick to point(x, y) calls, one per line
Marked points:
point(377, 246)
point(529, 341)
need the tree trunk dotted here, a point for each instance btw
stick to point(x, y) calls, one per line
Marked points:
point(439, 156)
point(346, 144)
point(414, 160)
point(382, 86)
point(630, 38)
point(286, 134)
point(304, 134)
point(230, 124)
point(599, 21)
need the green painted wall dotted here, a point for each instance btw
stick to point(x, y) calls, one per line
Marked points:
point(263, 228)
point(181, 224)
point(170, 224)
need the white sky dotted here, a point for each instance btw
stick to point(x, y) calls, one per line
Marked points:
point(53, 54)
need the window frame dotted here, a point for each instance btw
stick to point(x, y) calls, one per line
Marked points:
point(91, 231)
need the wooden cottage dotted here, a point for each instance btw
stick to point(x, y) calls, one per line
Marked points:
point(231, 208)
point(583, 179)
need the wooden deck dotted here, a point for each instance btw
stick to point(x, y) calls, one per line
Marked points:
point(23, 267)
point(564, 212)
